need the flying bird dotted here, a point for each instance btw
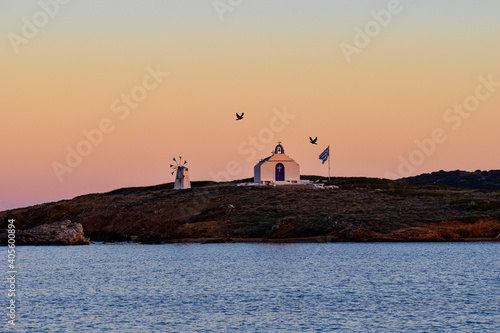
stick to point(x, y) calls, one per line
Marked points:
point(238, 117)
point(313, 141)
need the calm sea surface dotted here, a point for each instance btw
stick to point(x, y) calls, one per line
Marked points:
point(351, 287)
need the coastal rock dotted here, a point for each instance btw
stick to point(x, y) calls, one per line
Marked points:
point(58, 233)
point(151, 238)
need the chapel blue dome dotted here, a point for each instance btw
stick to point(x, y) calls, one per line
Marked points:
point(279, 149)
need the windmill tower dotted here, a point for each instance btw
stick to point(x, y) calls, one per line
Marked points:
point(182, 174)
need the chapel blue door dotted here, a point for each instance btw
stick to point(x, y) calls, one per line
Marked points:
point(280, 172)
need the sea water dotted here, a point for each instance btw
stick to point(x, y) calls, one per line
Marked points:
point(258, 287)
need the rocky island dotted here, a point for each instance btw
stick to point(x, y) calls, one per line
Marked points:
point(356, 209)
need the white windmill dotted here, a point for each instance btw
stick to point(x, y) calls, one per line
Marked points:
point(182, 174)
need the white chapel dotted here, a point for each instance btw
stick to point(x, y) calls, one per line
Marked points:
point(278, 168)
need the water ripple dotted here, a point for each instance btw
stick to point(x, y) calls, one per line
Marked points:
point(383, 287)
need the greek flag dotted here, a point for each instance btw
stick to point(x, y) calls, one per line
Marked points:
point(324, 155)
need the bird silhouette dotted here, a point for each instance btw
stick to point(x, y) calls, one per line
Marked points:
point(313, 141)
point(238, 117)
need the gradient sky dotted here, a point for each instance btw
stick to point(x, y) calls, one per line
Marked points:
point(263, 56)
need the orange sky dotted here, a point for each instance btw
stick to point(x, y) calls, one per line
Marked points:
point(371, 106)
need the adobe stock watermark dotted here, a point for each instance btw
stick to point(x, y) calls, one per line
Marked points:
point(454, 117)
point(11, 272)
point(30, 27)
point(254, 144)
point(373, 28)
point(224, 6)
point(122, 107)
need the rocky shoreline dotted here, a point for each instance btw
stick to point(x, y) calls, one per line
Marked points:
point(58, 233)
point(360, 210)
point(438, 232)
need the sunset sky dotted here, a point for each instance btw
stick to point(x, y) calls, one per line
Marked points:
point(395, 88)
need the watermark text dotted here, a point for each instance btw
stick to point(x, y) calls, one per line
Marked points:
point(11, 272)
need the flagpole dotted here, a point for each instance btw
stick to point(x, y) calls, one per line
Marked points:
point(329, 163)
